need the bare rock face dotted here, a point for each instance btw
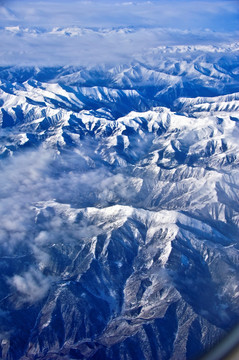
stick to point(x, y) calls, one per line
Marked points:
point(119, 212)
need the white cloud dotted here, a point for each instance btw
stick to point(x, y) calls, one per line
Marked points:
point(74, 46)
point(31, 285)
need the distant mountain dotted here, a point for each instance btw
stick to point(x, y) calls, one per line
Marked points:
point(119, 207)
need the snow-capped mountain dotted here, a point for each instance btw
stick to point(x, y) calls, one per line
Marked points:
point(119, 207)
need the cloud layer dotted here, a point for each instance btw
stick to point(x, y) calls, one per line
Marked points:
point(89, 32)
point(216, 15)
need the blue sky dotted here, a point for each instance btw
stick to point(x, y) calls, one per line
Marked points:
point(187, 21)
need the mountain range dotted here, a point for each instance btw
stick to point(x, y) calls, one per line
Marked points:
point(119, 206)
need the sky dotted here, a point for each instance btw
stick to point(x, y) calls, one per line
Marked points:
point(218, 15)
point(50, 32)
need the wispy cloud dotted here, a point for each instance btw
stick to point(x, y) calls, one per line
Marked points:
point(42, 196)
point(37, 177)
point(31, 286)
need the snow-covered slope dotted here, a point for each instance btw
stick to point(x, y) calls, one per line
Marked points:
point(119, 208)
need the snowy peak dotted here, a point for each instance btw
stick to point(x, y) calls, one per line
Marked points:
point(214, 105)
